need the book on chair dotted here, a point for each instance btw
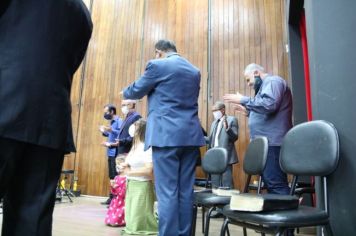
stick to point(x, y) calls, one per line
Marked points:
point(262, 202)
point(224, 191)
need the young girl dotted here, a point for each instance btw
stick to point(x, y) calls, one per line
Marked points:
point(116, 212)
point(140, 195)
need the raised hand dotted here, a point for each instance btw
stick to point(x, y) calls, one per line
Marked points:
point(240, 109)
point(233, 98)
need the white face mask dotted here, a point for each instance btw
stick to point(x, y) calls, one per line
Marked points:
point(217, 115)
point(125, 110)
point(132, 130)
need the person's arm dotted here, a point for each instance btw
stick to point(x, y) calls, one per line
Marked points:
point(145, 171)
point(241, 109)
point(115, 144)
point(125, 141)
point(233, 130)
point(269, 100)
point(115, 129)
point(144, 84)
point(208, 140)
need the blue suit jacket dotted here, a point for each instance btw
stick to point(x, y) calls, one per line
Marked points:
point(172, 85)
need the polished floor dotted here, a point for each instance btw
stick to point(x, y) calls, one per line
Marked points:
point(85, 217)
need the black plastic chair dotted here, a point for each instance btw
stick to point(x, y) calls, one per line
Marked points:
point(310, 149)
point(254, 164)
point(255, 161)
point(214, 162)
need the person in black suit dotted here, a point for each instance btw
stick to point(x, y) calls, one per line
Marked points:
point(42, 43)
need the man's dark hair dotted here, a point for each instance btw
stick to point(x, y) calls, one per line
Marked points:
point(111, 108)
point(166, 45)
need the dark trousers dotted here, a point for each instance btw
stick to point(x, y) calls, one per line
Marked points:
point(227, 179)
point(112, 171)
point(273, 176)
point(174, 172)
point(28, 180)
point(112, 167)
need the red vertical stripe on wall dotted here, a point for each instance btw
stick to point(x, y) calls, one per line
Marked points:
point(303, 34)
point(303, 37)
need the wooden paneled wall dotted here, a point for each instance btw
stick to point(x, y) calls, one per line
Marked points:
point(242, 31)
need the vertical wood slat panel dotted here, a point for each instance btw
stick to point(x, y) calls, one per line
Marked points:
point(125, 31)
point(69, 161)
point(111, 64)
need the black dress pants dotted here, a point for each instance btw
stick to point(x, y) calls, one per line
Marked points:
point(28, 179)
point(112, 167)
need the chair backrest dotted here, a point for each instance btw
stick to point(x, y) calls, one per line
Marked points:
point(255, 161)
point(215, 161)
point(256, 156)
point(310, 148)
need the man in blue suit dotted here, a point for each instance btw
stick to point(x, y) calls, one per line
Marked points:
point(173, 131)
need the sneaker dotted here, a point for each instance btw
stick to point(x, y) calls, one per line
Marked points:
point(107, 202)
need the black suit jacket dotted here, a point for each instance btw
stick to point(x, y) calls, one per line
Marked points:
point(125, 140)
point(42, 43)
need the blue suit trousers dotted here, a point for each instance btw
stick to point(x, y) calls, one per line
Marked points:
point(273, 176)
point(174, 172)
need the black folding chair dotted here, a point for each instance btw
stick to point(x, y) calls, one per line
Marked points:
point(214, 162)
point(254, 164)
point(309, 149)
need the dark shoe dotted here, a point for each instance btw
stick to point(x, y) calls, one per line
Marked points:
point(107, 202)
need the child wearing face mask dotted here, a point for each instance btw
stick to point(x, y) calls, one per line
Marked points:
point(116, 212)
point(140, 196)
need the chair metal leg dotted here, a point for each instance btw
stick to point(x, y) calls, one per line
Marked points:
point(227, 230)
point(207, 221)
point(67, 193)
point(281, 232)
point(244, 231)
point(202, 219)
point(224, 227)
point(194, 222)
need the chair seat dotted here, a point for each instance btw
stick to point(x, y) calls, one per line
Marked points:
point(303, 190)
point(206, 190)
point(301, 217)
point(210, 199)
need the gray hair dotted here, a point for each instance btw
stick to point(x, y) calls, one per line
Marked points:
point(251, 68)
point(218, 105)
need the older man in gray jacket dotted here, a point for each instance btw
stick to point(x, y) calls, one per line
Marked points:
point(224, 132)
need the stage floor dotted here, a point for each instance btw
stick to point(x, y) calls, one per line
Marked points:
point(85, 217)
